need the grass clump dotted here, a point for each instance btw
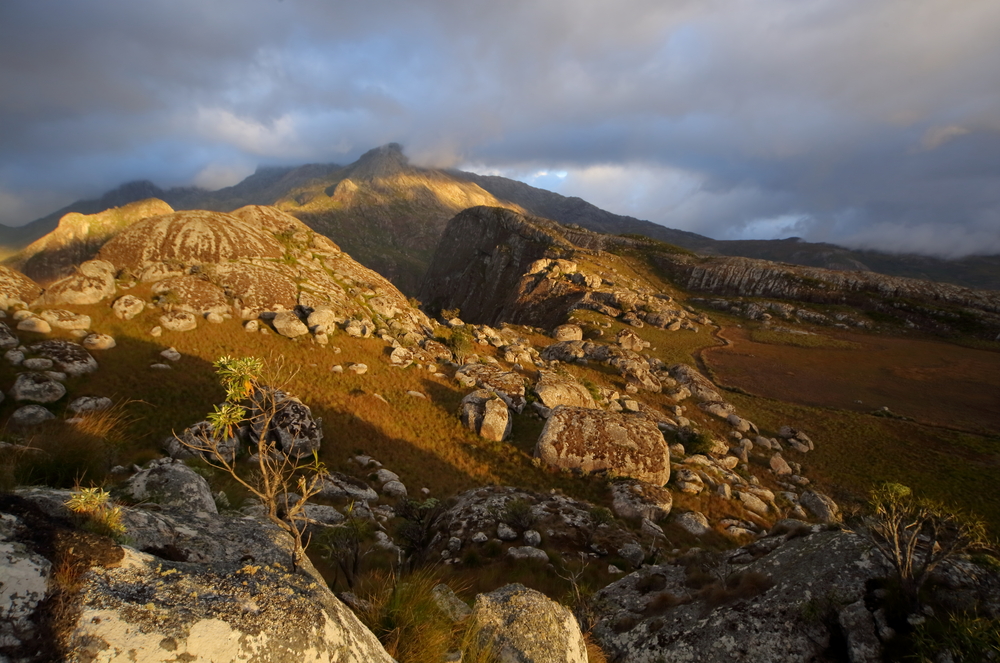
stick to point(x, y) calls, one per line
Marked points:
point(101, 514)
point(403, 614)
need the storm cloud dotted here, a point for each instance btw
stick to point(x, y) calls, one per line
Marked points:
point(872, 124)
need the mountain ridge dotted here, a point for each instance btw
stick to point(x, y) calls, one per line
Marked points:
point(390, 214)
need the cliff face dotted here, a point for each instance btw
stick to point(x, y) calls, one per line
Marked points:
point(479, 262)
point(922, 303)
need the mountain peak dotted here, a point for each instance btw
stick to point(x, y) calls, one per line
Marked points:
point(380, 162)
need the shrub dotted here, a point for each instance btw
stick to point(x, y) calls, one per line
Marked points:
point(344, 545)
point(916, 535)
point(517, 513)
point(419, 520)
point(276, 475)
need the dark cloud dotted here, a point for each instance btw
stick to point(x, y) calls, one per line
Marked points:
point(872, 124)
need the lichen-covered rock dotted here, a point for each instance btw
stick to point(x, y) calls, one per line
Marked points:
point(62, 319)
point(693, 522)
point(127, 307)
point(484, 412)
point(199, 439)
point(93, 282)
point(820, 506)
point(288, 324)
point(522, 624)
point(770, 616)
point(24, 585)
point(194, 294)
point(98, 342)
point(34, 324)
point(30, 415)
point(37, 388)
point(637, 500)
point(568, 332)
point(290, 424)
point(554, 389)
point(507, 385)
point(593, 440)
point(192, 237)
point(205, 588)
point(85, 404)
point(15, 285)
point(257, 288)
point(171, 484)
point(70, 358)
point(179, 321)
point(8, 339)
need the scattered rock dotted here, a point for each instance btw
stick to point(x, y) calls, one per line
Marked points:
point(484, 412)
point(35, 325)
point(61, 319)
point(128, 307)
point(692, 522)
point(568, 332)
point(635, 500)
point(85, 404)
point(288, 324)
point(36, 387)
point(554, 389)
point(98, 342)
point(30, 415)
point(820, 506)
point(69, 357)
point(178, 321)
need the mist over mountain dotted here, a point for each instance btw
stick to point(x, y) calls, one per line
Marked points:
point(389, 214)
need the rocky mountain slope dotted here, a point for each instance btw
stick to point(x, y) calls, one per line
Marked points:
point(486, 267)
point(563, 433)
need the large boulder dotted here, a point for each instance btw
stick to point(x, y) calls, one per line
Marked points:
point(568, 332)
point(93, 282)
point(37, 388)
point(766, 611)
point(287, 323)
point(17, 287)
point(128, 306)
point(171, 484)
point(485, 413)
point(593, 440)
point(289, 424)
point(62, 319)
point(205, 588)
point(524, 625)
point(506, 384)
point(554, 389)
point(70, 358)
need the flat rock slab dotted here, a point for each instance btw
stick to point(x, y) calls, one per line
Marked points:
point(597, 441)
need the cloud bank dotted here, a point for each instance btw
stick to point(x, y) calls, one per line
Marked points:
point(867, 124)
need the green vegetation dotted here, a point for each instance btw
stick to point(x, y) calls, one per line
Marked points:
point(102, 516)
point(277, 474)
point(917, 535)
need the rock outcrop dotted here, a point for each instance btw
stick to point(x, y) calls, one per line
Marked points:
point(195, 588)
point(78, 237)
point(786, 604)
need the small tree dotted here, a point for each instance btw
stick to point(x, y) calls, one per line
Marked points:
point(917, 535)
point(281, 480)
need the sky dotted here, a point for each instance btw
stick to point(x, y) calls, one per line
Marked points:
point(867, 123)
